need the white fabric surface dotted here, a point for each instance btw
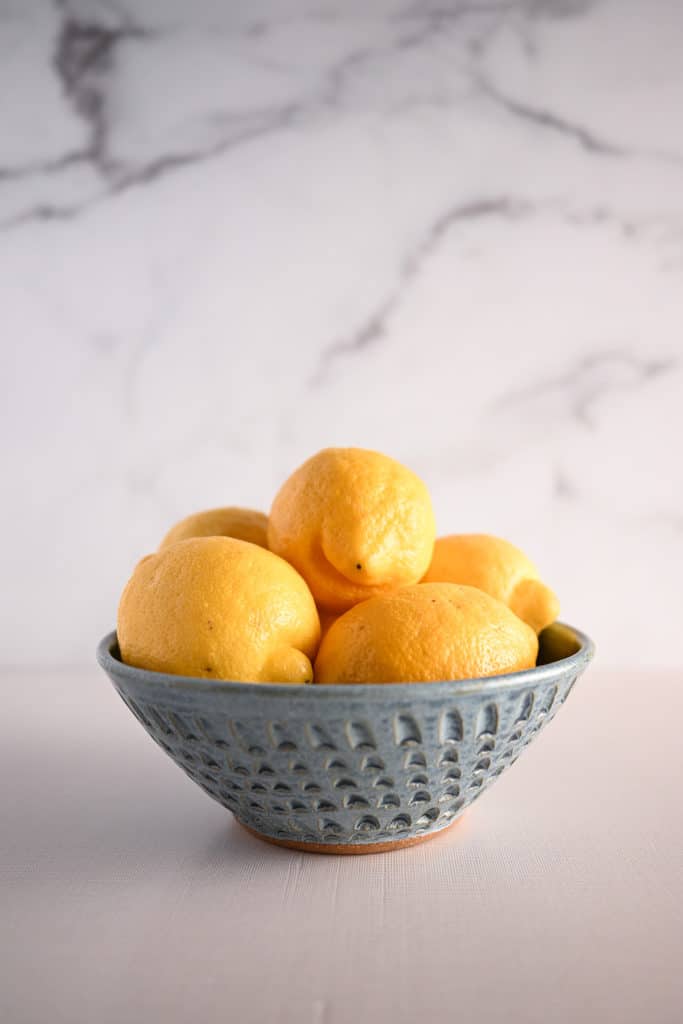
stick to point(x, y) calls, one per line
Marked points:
point(127, 894)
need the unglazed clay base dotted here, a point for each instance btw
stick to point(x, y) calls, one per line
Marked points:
point(349, 849)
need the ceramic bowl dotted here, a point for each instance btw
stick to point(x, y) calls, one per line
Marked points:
point(350, 769)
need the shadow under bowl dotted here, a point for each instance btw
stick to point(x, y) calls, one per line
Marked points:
point(350, 769)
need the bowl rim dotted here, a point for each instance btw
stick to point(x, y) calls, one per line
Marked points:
point(530, 677)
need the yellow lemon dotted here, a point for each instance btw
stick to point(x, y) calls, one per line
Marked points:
point(425, 633)
point(219, 608)
point(354, 523)
point(242, 523)
point(499, 568)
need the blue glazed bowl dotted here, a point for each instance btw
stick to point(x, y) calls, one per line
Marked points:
point(349, 769)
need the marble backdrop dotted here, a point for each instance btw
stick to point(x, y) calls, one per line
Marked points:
point(231, 234)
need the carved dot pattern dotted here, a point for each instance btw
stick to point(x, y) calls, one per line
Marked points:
point(349, 780)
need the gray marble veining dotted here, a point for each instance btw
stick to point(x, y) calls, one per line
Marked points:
point(231, 235)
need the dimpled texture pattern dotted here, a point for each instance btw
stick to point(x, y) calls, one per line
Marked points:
point(345, 765)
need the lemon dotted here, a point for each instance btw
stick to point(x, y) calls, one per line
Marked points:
point(425, 633)
point(219, 608)
point(241, 523)
point(497, 567)
point(354, 523)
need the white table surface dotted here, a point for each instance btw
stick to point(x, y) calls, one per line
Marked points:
point(126, 894)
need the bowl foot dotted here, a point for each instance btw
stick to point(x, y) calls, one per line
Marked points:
point(349, 849)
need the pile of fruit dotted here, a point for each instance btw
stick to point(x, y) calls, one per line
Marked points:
point(344, 582)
